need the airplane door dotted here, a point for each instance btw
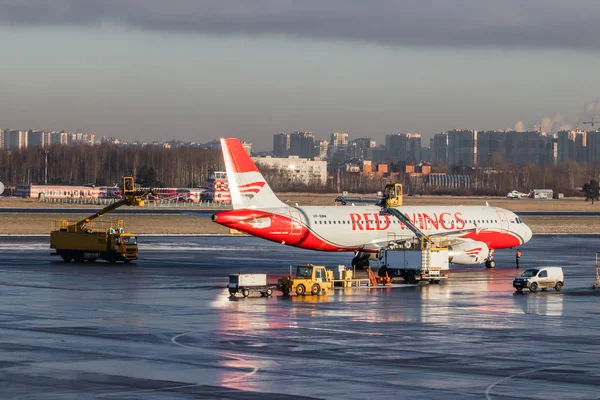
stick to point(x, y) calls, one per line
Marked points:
point(296, 228)
point(503, 221)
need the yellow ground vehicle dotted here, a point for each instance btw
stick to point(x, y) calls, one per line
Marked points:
point(309, 278)
point(392, 195)
point(87, 240)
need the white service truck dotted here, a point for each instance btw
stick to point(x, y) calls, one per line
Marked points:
point(247, 283)
point(540, 278)
point(415, 265)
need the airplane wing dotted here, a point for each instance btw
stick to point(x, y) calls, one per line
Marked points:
point(201, 214)
point(448, 238)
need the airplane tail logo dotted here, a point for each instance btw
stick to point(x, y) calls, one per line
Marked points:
point(248, 187)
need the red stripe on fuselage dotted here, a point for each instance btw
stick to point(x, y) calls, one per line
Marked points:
point(495, 239)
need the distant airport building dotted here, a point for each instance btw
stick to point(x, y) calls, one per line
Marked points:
point(301, 170)
point(489, 143)
point(439, 148)
point(572, 146)
point(338, 141)
point(403, 147)
point(377, 154)
point(66, 192)
point(248, 147)
point(593, 146)
point(462, 148)
point(359, 149)
point(15, 139)
point(218, 188)
point(322, 149)
point(58, 138)
point(302, 144)
point(281, 144)
point(37, 138)
point(446, 181)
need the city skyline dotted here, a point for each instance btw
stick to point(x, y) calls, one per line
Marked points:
point(149, 71)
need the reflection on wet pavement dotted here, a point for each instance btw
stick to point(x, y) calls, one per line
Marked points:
point(166, 328)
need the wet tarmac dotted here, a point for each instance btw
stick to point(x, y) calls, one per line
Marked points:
point(166, 328)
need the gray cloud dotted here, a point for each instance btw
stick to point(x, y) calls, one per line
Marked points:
point(445, 23)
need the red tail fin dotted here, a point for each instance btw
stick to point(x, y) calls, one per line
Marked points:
point(247, 185)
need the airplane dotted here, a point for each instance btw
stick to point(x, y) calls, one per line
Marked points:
point(473, 233)
point(515, 194)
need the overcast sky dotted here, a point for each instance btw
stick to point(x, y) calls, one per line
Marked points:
point(198, 70)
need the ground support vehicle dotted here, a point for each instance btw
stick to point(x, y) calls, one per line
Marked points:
point(311, 279)
point(248, 283)
point(107, 241)
point(540, 278)
point(376, 280)
point(420, 261)
point(344, 277)
point(87, 240)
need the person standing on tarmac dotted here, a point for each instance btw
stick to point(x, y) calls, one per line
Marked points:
point(518, 257)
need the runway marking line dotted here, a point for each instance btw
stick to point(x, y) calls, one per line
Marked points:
point(490, 387)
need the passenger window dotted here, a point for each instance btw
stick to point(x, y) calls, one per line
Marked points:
point(543, 274)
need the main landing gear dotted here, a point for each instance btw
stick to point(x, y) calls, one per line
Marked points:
point(361, 260)
point(489, 262)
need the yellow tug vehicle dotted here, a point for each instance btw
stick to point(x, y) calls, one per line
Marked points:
point(309, 279)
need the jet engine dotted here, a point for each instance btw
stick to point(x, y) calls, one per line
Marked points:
point(468, 252)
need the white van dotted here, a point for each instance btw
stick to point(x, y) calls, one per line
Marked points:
point(540, 278)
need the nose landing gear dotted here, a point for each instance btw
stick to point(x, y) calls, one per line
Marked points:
point(489, 262)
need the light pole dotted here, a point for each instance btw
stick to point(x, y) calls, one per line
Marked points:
point(46, 151)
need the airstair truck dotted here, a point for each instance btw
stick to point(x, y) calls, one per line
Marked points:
point(87, 240)
point(417, 259)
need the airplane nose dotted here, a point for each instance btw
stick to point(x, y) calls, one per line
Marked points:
point(528, 234)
